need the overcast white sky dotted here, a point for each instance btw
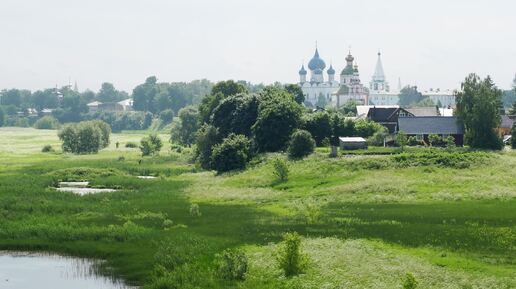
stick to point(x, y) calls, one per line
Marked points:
point(429, 43)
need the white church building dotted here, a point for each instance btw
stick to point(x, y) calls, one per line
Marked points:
point(321, 92)
point(317, 89)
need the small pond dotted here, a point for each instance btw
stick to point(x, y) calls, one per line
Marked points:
point(42, 271)
point(81, 188)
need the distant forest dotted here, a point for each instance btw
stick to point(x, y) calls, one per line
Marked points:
point(20, 107)
point(151, 100)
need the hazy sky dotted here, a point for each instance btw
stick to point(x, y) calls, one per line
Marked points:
point(432, 43)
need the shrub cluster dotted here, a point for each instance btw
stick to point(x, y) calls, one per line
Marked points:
point(47, 122)
point(80, 174)
point(280, 170)
point(301, 144)
point(333, 124)
point(132, 120)
point(290, 258)
point(131, 145)
point(85, 137)
point(440, 158)
point(47, 149)
point(150, 145)
point(231, 265)
point(232, 154)
point(263, 122)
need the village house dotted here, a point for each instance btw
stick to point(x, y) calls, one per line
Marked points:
point(421, 127)
point(387, 116)
point(506, 125)
point(124, 105)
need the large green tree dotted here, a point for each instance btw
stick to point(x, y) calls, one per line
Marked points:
point(228, 88)
point(478, 105)
point(319, 126)
point(206, 138)
point(278, 116)
point(14, 97)
point(409, 95)
point(45, 99)
point(296, 91)
point(220, 91)
point(184, 130)
point(144, 95)
point(108, 93)
point(236, 114)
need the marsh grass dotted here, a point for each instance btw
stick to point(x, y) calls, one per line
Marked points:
point(365, 221)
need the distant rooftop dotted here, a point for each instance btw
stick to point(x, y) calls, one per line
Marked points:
point(430, 125)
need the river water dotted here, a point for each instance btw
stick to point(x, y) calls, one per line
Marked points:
point(42, 271)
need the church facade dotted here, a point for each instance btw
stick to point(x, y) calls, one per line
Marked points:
point(380, 90)
point(323, 92)
point(317, 90)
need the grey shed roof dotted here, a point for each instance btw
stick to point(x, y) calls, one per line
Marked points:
point(352, 139)
point(430, 125)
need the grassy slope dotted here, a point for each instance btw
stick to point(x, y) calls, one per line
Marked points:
point(363, 227)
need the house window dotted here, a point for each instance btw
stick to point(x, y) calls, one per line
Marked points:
point(419, 137)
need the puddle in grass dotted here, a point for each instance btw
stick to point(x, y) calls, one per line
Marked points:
point(81, 188)
point(20, 270)
point(147, 177)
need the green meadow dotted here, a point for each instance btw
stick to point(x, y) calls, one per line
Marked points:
point(366, 220)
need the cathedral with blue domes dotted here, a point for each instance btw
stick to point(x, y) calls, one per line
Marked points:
point(332, 92)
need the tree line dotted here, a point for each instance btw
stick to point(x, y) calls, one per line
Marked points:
point(232, 124)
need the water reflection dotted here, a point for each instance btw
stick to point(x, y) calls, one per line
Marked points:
point(42, 271)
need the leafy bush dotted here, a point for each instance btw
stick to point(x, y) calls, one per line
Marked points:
point(195, 210)
point(377, 139)
point(46, 122)
point(412, 141)
point(131, 145)
point(84, 137)
point(370, 164)
point(401, 139)
point(105, 130)
point(280, 169)
point(450, 141)
point(231, 265)
point(166, 115)
point(366, 128)
point(434, 139)
point(172, 254)
point(232, 154)
point(448, 159)
point(290, 258)
point(150, 145)
point(301, 144)
point(83, 174)
point(47, 149)
point(409, 282)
